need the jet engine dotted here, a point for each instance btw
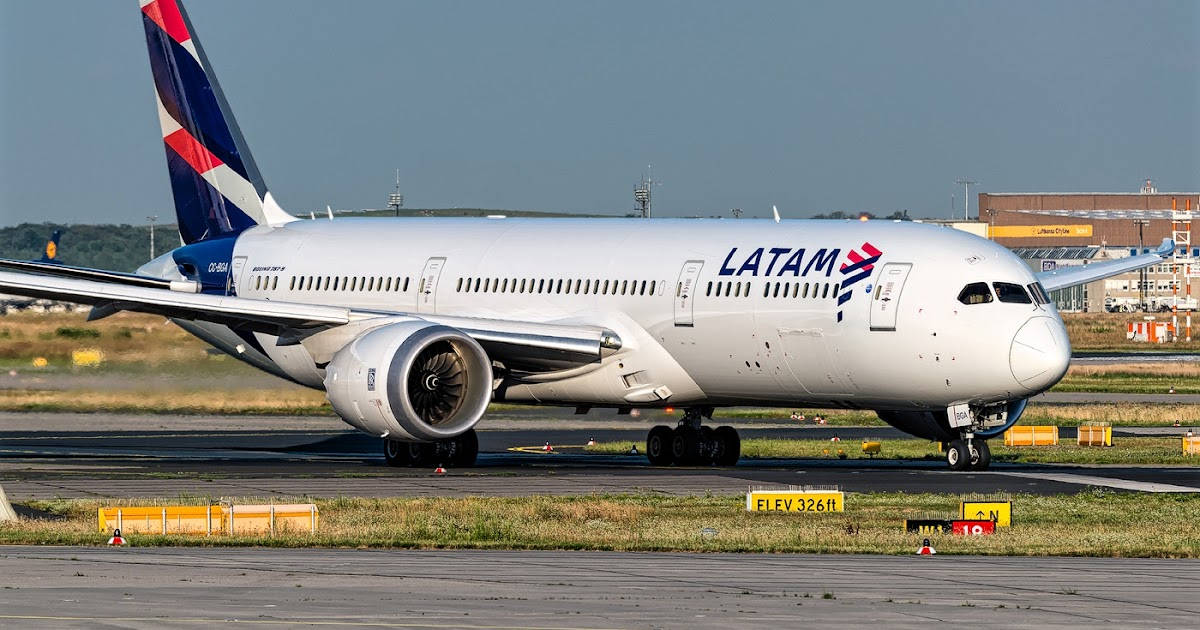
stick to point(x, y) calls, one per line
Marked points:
point(412, 381)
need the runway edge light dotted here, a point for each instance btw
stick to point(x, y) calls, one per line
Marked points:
point(1000, 512)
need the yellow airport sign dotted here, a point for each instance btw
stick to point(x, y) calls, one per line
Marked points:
point(1040, 231)
point(998, 511)
point(795, 501)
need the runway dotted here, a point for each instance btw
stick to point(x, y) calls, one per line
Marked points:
point(57, 587)
point(312, 456)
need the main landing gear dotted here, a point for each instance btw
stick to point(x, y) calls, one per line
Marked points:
point(968, 454)
point(456, 452)
point(691, 444)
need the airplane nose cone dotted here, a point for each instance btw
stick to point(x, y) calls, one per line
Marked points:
point(1040, 353)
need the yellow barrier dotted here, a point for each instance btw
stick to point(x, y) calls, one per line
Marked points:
point(1094, 435)
point(1031, 436)
point(87, 357)
point(1191, 445)
point(872, 447)
point(209, 519)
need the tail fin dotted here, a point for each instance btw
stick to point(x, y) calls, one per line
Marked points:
point(50, 254)
point(217, 187)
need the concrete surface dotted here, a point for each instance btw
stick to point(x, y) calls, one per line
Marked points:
point(189, 587)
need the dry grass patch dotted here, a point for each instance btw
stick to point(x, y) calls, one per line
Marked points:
point(1105, 332)
point(290, 401)
point(1094, 523)
point(1117, 414)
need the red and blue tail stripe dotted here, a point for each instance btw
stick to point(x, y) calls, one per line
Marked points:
point(217, 188)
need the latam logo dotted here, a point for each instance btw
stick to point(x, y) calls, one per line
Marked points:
point(858, 269)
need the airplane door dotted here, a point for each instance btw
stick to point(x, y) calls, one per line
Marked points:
point(235, 275)
point(685, 290)
point(886, 299)
point(427, 289)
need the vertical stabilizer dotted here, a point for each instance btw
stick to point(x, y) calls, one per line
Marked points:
point(217, 187)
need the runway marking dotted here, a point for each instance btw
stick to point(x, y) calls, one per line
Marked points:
point(280, 622)
point(1091, 480)
point(541, 450)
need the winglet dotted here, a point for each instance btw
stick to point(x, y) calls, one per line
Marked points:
point(1165, 248)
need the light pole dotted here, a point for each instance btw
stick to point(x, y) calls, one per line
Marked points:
point(152, 219)
point(966, 184)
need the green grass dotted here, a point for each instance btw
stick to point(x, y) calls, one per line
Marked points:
point(1128, 383)
point(1135, 450)
point(1091, 523)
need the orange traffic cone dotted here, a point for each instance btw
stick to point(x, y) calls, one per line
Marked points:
point(116, 539)
point(440, 470)
point(591, 441)
point(926, 549)
point(547, 447)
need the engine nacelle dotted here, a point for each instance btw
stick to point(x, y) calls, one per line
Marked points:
point(412, 380)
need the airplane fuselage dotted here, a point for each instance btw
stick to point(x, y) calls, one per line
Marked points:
point(721, 312)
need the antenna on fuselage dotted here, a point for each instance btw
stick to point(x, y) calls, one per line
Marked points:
point(775, 211)
point(329, 211)
point(312, 215)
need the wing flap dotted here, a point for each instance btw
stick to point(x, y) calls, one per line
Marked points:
point(526, 346)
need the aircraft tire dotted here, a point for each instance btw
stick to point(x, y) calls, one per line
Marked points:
point(729, 449)
point(685, 446)
point(658, 445)
point(981, 455)
point(400, 453)
point(957, 455)
point(466, 449)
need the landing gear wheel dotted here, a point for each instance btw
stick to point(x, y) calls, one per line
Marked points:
point(685, 446)
point(957, 455)
point(658, 445)
point(398, 453)
point(466, 449)
point(981, 455)
point(729, 446)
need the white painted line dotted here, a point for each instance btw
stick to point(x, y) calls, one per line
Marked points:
point(1090, 480)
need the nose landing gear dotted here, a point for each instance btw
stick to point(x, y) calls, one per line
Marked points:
point(691, 444)
point(968, 454)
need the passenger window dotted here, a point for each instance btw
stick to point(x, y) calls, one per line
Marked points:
point(974, 293)
point(825, 291)
point(1011, 293)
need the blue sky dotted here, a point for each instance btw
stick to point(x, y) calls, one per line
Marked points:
point(561, 105)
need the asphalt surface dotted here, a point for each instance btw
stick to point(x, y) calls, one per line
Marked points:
point(295, 457)
point(56, 587)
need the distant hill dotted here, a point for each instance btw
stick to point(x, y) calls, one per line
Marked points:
point(127, 247)
point(113, 247)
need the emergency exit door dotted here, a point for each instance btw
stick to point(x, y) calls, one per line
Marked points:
point(427, 288)
point(235, 275)
point(685, 290)
point(885, 301)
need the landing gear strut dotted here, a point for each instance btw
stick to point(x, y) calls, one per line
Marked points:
point(692, 444)
point(458, 451)
point(968, 454)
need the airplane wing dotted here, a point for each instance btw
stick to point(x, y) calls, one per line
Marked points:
point(86, 273)
point(528, 344)
point(1082, 274)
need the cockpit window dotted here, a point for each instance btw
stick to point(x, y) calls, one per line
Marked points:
point(975, 293)
point(1011, 293)
point(1039, 293)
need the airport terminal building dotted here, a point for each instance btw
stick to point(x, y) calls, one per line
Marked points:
point(1051, 230)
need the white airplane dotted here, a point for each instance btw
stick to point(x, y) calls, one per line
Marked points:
point(413, 325)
